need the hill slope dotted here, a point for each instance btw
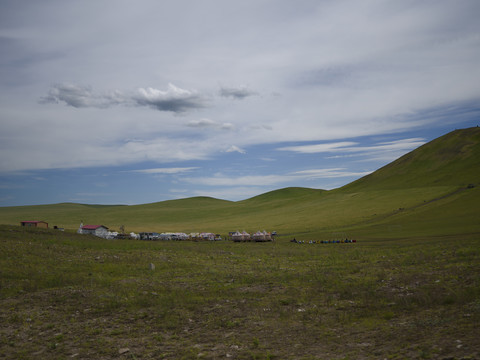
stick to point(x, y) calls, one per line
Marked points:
point(431, 190)
point(450, 160)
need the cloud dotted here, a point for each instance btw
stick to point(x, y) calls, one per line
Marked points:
point(88, 151)
point(81, 97)
point(174, 99)
point(202, 123)
point(239, 93)
point(208, 123)
point(235, 148)
point(318, 148)
point(403, 144)
point(249, 180)
point(261, 127)
point(176, 170)
point(351, 147)
point(163, 150)
point(227, 126)
point(329, 173)
point(271, 179)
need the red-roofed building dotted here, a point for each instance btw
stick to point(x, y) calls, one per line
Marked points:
point(34, 223)
point(97, 230)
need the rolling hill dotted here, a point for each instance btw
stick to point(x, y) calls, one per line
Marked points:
point(450, 160)
point(432, 190)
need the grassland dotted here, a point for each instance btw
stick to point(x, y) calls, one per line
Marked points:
point(71, 296)
point(408, 289)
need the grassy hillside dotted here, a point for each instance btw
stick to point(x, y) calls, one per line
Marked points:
point(450, 160)
point(433, 189)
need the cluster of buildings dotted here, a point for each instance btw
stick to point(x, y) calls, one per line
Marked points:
point(103, 232)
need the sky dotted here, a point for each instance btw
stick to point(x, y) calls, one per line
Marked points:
point(133, 102)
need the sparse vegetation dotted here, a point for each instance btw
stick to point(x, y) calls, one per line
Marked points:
point(65, 294)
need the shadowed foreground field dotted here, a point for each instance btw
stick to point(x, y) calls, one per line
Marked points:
point(70, 296)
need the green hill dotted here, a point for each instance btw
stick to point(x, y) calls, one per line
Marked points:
point(432, 190)
point(450, 160)
point(437, 185)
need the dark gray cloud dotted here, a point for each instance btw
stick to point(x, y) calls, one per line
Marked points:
point(236, 93)
point(174, 99)
point(79, 97)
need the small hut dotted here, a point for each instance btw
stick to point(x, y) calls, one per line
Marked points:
point(34, 223)
point(97, 230)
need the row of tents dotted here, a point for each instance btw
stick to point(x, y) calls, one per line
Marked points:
point(203, 236)
point(259, 236)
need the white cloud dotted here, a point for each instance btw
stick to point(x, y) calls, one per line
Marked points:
point(202, 123)
point(318, 148)
point(227, 126)
point(88, 151)
point(381, 149)
point(209, 124)
point(235, 148)
point(329, 173)
point(234, 181)
point(165, 170)
point(402, 144)
point(269, 180)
